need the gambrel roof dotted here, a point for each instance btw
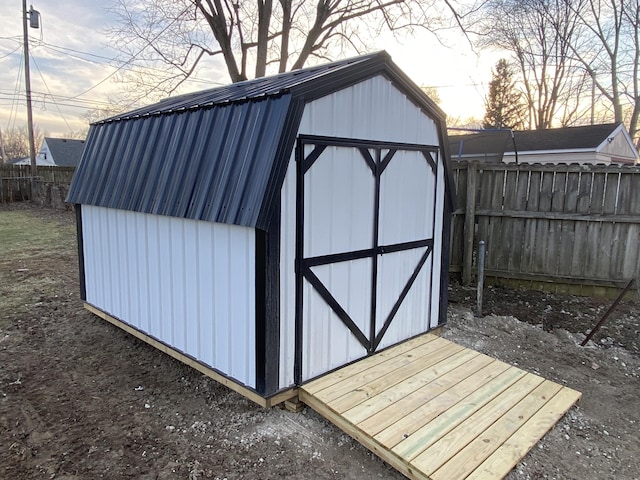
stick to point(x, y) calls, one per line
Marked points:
point(221, 154)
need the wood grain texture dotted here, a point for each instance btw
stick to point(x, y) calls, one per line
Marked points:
point(455, 415)
point(544, 223)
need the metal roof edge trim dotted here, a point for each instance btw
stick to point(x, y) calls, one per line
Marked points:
point(280, 163)
point(205, 106)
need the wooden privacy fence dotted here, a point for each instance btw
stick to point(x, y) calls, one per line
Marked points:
point(575, 228)
point(51, 184)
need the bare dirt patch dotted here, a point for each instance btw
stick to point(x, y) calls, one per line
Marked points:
point(81, 399)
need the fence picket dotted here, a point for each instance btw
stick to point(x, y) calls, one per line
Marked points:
point(566, 223)
point(15, 181)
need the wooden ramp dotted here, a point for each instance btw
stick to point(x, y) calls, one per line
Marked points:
point(436, 410)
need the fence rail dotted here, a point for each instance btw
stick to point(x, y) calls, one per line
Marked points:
point(52, 184)
point(566, 224)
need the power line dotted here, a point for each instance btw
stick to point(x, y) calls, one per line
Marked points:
point(49, 90)
point(14, 109)
point(11, 53)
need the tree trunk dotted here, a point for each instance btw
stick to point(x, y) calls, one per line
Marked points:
point(264, 17)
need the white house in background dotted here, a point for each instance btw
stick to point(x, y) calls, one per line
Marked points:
point(56, 152)
point(590, 144)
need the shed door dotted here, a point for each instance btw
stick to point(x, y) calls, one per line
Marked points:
point(365, 229)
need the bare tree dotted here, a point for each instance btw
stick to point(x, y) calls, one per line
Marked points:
point(538, 33)
point(609, 51)
point(16, 142)
point(253, 37)
point(433, 93)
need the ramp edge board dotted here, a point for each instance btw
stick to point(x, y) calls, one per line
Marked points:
point(521, 415)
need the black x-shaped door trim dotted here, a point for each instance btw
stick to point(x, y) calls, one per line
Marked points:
point(377, 163)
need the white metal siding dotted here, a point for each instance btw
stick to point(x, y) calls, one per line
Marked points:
point(371, 110)
point(339, 192)
point(188, 283)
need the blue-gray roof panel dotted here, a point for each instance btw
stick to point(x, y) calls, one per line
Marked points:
point(210, 164)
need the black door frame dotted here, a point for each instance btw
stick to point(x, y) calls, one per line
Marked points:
point(377, 163)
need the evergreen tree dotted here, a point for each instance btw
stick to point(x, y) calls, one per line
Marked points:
point(504, 107)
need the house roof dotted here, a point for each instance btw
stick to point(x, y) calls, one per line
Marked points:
point(221, 154)
point(493, 143)
point(65, 152)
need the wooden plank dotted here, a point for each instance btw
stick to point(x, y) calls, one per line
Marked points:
point(412, 412)
point(444, 413)
point(457, 430)
point(554, 239)
point(503, 235)
point(362, 392)
point(485, 184)
point(360, 366)
point(469, 222)
point(518, 204)
point(440, 348)
point(606, 235)
point(631, 256)
point(282, 396)
point(494, 236)
point(592, 250)
point(456, 253)
point(533, 200)
point(543, 232)
point(539, 167)
point(567, 245)
point(499, 275)
point(620, 249)
point(500, 463)
point(436, 379)
point(474, 453)
point(577, 217)
point(369, 442)
point(634, 187)
point(583, 202)
point(443, 417)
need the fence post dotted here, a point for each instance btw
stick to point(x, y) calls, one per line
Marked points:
point(469, 222)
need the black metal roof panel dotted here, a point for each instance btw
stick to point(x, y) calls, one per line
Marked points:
point(209, 164)
point(251, 90)
point(217, 155)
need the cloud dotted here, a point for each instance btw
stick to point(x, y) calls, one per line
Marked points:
point(61, 68)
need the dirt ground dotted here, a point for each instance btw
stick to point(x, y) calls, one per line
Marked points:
point(80, 399)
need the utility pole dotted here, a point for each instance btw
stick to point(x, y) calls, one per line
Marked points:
point(4, 153)
point(34, 17)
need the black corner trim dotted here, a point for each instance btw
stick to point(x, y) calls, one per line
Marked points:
point(79, 233)
point(267, 304)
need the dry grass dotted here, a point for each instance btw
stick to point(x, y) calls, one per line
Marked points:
point(29, 240)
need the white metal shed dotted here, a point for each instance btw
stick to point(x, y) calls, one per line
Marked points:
point(273, 230)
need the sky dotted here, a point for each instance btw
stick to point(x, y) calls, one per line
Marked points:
point(72, 67)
